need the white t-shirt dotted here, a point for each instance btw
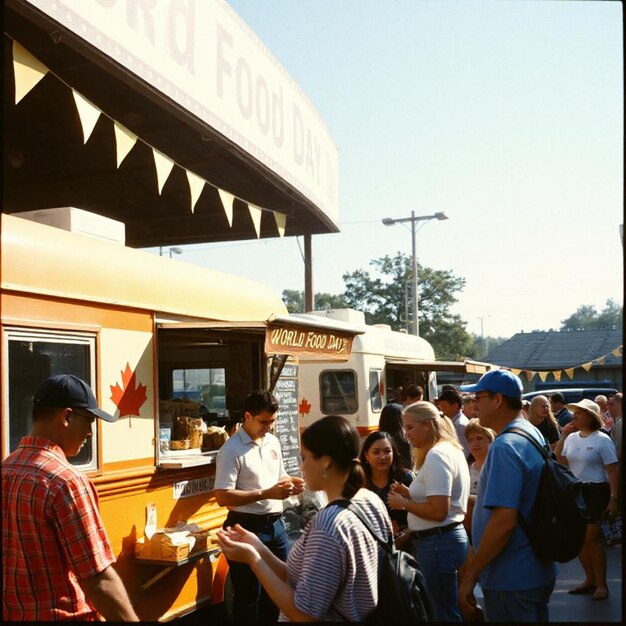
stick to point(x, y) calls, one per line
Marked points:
point(244, 464)
point(460, 421)
point(588, 456)
point(444, 473)
point(474, 476)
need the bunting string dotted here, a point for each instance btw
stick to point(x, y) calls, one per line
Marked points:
point(28, 71)
point(557, 374)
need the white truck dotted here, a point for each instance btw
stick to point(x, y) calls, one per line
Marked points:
point(381, 361)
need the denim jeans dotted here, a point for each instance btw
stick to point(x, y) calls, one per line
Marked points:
point(529, 605)
point(440, 557)
point(251, 604)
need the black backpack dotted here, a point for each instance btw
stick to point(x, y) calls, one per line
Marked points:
point(558, 520)
point(402, 596)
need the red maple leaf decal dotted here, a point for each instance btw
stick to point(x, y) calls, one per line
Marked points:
point(130, 396)
point(304, 407)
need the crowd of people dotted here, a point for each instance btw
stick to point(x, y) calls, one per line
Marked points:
point(445, 479)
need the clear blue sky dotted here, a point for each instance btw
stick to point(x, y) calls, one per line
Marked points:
point(507, 116)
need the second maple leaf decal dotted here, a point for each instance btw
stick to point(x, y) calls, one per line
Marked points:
point(130, 396)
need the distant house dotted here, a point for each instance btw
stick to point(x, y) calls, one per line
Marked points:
point(554, 350)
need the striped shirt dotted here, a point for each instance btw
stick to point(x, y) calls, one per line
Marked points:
point(52, 535)
point(333, 566)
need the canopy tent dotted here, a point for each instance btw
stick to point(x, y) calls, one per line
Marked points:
point(262, 141)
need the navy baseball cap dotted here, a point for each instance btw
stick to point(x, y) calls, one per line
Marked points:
point(498, 381)
point(69, 391)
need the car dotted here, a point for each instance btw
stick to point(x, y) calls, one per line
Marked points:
point(573, 394)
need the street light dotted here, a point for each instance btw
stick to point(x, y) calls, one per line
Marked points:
point(387, 221)
point(170, 250)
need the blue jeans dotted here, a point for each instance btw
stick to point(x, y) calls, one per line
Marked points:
point(251, 604)
point(440, 557)
point(529, 605)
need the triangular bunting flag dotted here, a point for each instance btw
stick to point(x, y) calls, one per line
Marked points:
point(196, 185)
point(617, 351)
point(164, 167)
point(124, 142)
point(557, 375)
point(587, 366)
point(281, 220)
point(543, 376)
point(529, 375)
point(516, 372)
point(87, 113)
point(600, 360)
point(570, 372)
point(28, 71)
point(227, 202)
point(255, 214)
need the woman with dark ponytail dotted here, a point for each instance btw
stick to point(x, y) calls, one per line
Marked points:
point(332, 570)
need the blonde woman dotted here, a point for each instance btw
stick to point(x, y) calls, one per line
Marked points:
point(540, 415)
point(436, 502)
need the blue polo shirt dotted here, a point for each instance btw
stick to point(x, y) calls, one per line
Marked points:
point(510, 478)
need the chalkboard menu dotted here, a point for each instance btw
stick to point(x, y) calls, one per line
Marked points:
point(286, 392)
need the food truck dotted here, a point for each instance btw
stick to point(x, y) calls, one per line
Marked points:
point(381, 360)
point(172, 349)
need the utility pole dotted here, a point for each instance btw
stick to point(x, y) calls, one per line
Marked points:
point(387, 221)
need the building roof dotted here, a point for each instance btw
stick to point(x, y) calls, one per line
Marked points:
point(547, 350)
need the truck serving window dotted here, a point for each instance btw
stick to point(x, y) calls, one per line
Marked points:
point(376, 397)
point(338, 392)
point(33, 356)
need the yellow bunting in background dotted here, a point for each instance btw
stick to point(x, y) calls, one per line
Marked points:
point(255, 214)
point(28, 71)
point(281, 220)
point(87, 113)
point(570, 372)
point(196, 185)
point(516, 372)
point(164, 167)
point(600, 360)
point(557, 375)
point(587, 366)
point(227, 202)
point(543, 376)
point(617, 351)
point(124, 142)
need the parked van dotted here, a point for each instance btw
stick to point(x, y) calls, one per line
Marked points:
point(381, 361)
point(573, 394)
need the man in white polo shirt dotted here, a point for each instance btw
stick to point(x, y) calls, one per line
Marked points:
point(251, 481)
point(450, 404)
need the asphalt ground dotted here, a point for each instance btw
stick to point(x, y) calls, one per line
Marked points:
point(564, 607)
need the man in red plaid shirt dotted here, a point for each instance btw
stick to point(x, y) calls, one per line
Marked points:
point(56, 556)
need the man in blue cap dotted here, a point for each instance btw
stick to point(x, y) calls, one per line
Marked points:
point(516, 584)
point(57, 562)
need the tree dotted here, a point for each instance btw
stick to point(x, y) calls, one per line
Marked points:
point(490, 343)
point(383, 297)
point(587, 318)
point(294, 301)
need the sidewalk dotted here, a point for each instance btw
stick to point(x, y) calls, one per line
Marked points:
point(568, 608)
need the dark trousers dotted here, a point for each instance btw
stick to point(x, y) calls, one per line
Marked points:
point(251, 604)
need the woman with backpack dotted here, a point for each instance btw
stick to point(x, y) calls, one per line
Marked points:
point(332, 570)
point(436, 503)
point(590, 455)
